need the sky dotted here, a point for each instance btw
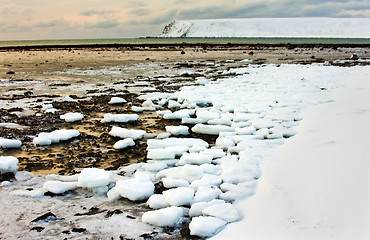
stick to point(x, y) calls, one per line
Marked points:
point(84, 19)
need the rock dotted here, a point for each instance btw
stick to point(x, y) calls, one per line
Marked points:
point(47, 217)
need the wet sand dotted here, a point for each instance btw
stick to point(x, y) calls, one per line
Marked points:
point(30, 78)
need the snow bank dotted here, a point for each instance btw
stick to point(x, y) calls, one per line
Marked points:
point(270, 27)
point(55, 136)
point(8, 164)
point(10, 143)
point(121, 118)
point(72, 117)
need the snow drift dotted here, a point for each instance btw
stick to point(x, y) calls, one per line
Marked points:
point(270, 27)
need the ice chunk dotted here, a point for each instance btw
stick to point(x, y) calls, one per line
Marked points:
point(117, 100)
point(174, 183)
point(225, 211)
point(164, 79)
point(187, 172)
point(173, 104)
point(206, 226)
point(166, 217)
point(137, 109)
point(126, 133)
point(10, 143)
point(113, 195)
point(214, 152)
point(136, 189)
point(128, 142)
point(245, 130)
point(121, 118)
point(58, 187)
point(220, 121)
point(192, 121)
point(207, 115)
point(206, 193)
point(173, 142)
point(94, 177)
point(181, 196)
point(55, 136)
point(197, 208)
point(69, 99)
point(194, 158)
point(8, 164)
point(161, 153)
point(25, 193)
point(183, 113)
point(178, 130)
point(206, 180)
point(163, 135)
point(154, 166)
point(225, 143)
point(157, 201)
point(262, 123)
point(211, 129)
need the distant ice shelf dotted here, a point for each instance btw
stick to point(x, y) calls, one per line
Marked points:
point(271, 27)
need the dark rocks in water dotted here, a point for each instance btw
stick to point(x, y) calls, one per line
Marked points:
point(8, 176)
point(355, 57)
point(47, 217)
point(251, 53)
point(10, 72)
point(92, 211)
point(111, 213)
point(78, 230)
point(37, 229)
point(182, 52)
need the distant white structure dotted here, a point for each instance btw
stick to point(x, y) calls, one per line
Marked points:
point(270, 27)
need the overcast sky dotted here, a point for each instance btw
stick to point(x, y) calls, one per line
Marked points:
point(70, 19)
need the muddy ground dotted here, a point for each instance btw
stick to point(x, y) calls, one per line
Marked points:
point(92, 76)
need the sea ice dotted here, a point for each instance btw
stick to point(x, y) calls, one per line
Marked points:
point(206, 180)
point(197, 208)
point(157, 201)
point(206, 194)
point(128, 142)
point(55, 136)
point(174, 183)
point(72, 117)
point(173, 104)
point(161, 153)
point(10, 143)
point(206, 226)
point(117, 100)
point(181, 196)
point(58, 187)
point(211, 129)
point(126, 133)
point(166, 217)
point(135, 189)
point(8, 164)
point(94, 177)
point(178, 130)
point(225, 211)
point(194, 158)
point(121, 118)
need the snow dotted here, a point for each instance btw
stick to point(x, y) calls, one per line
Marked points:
point(174, 183)
point(206, 226)
point(10, 143)
point(55, 136)
point(321, 195)
point(161, 154)
point(126, 133)
point(120, 118)
point(166, 217)
point(117, 100)
point(270, 27)
point(72, 117)
point(211, 129)
point(8, 164)
point(59, 187)
point(194, 158)
point(94, 177)
point(121, 144)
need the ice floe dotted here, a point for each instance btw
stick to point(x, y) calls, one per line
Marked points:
point(10, 143)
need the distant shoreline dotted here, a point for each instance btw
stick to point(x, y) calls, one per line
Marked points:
point(154, 42)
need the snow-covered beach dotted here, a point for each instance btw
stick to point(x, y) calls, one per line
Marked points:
point(229, 143)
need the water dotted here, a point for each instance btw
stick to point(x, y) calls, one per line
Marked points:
point(143, 41)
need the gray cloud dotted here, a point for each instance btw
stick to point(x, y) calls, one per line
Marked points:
point(92, 12)
point(51, 23)
point(103, 24)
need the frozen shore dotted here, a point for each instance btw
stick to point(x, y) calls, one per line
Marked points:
point(199, 138)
